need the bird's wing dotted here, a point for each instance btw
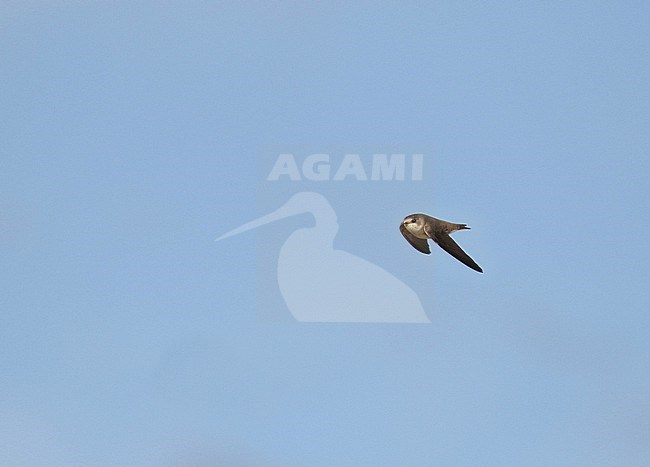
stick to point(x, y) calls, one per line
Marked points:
point(418, 243)
point(450, 246)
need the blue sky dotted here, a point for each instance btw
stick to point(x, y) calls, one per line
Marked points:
point(132, 136)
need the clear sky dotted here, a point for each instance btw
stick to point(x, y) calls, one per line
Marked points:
point(135, 133)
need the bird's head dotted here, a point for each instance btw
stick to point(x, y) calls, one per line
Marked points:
point(414, 223)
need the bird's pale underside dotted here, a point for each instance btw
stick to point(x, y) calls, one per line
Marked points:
point(418, 228)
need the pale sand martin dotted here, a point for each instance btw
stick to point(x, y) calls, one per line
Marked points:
point(418, 228)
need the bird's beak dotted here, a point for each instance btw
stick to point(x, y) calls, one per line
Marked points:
point(281, 213)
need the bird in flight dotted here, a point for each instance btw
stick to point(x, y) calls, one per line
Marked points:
point(418, 228)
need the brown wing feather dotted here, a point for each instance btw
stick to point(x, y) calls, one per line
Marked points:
point(450, 246)
point(418, 243)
